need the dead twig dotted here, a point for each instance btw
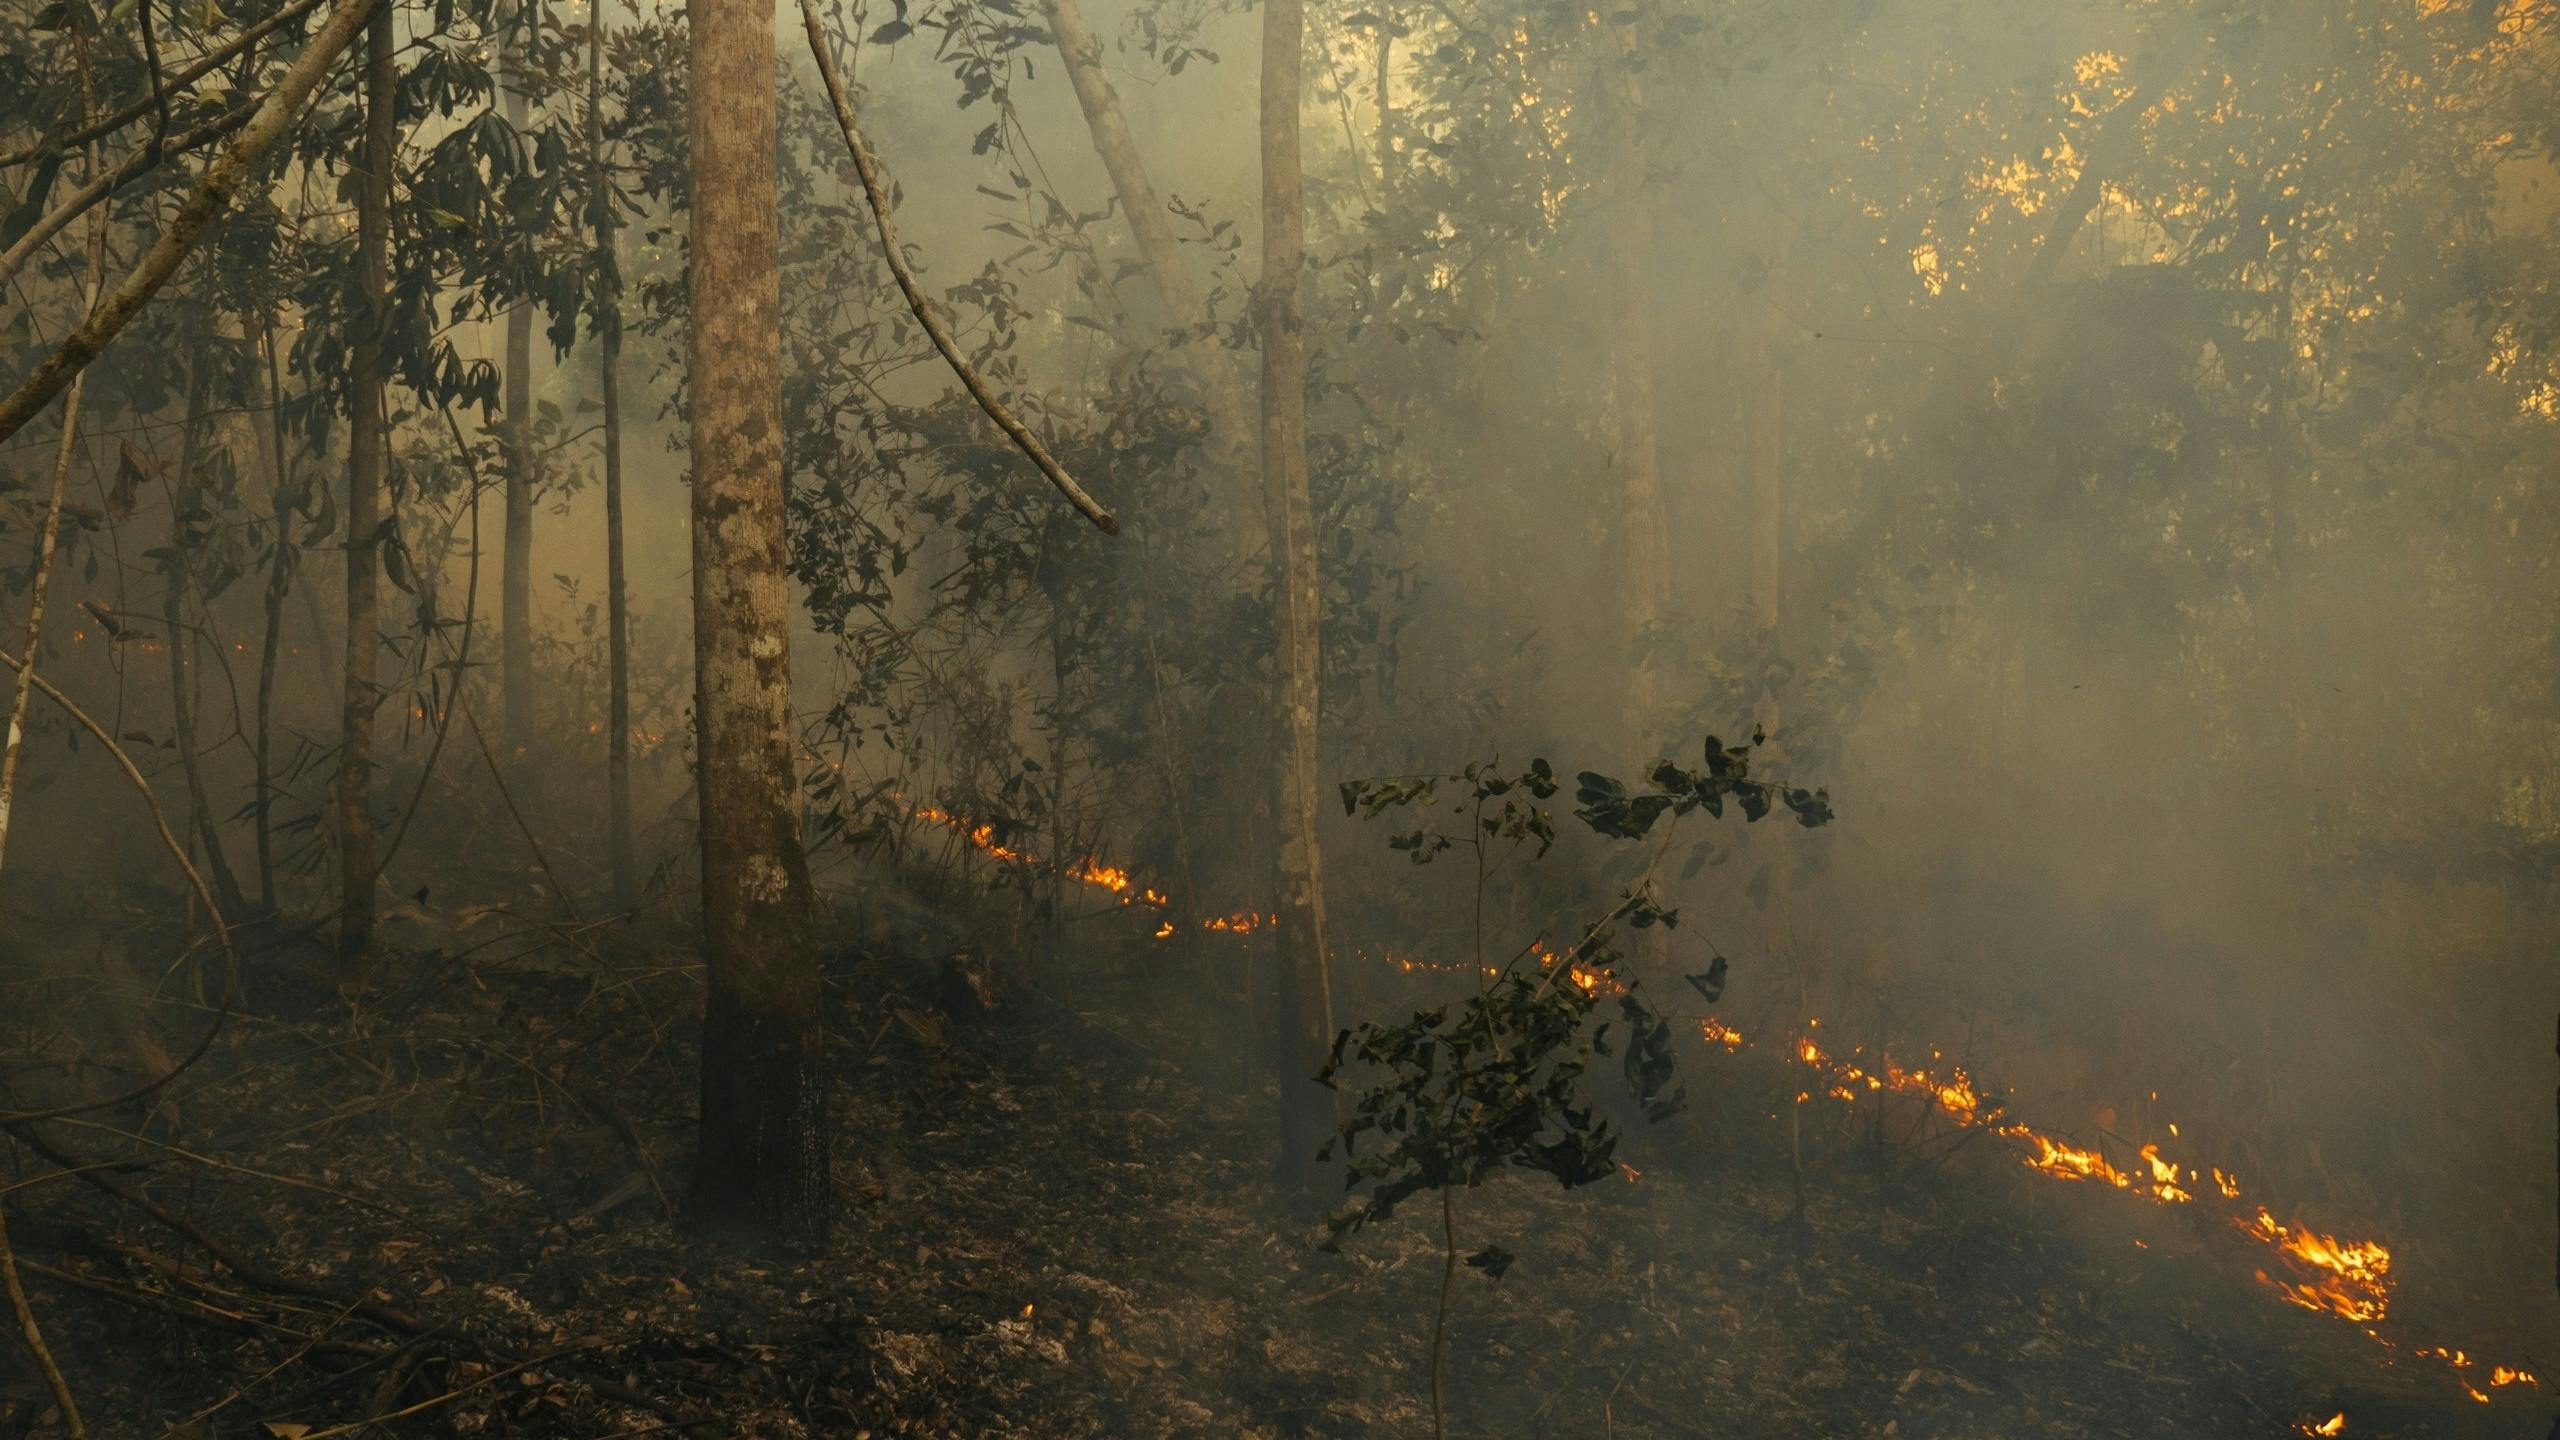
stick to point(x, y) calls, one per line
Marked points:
point(33, 1334)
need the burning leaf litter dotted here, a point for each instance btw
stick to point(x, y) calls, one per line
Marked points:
point(2347, 1279)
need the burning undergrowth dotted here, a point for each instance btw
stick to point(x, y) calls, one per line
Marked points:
point(2346, 1279)
point(455, 1202)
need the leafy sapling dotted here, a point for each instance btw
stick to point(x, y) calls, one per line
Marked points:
point(1457, 1094)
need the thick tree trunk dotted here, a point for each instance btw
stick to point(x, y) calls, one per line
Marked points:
point(1221, 388)
point(760, 1170)
point(368, 442)
point(1306, 1110)
point(617, 600)
point(515, 582)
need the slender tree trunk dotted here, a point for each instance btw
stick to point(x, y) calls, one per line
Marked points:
point(617, 599)
point(1768, 444)
point(1768, 495)
point(760, 1170)
point(49, 529)
point(1386, 117)
point(368, 441)
point(1306, 1110)
point(515, 583)
point(279, 580)
point(1222, 388)
point(1643, 529)
point(181, 652)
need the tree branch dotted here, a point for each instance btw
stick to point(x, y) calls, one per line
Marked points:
point(221, 181)
point(202, 66)
point(869, 168)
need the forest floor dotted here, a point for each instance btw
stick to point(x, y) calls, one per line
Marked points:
point(451, 1204)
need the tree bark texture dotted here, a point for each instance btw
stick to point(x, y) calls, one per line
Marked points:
point(761, 1166)
point(1306, 1109)
point(368, 441)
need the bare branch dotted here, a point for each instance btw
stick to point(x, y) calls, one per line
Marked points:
point(869, 168)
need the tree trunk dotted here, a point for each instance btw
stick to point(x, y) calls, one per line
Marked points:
point(1221, 388)
point(279, 580)
point(49, 529)
point(760, 1169)
point(617, 599)
point(515, 583)
point(1386, 116)
point(1306, 1109)
point(368, 441)
point(181, 652)
point(1768, 491)
point(1643, 538)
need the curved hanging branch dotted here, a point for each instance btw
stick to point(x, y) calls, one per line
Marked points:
point(195, 881)
point(213, 193)
point(869, 168)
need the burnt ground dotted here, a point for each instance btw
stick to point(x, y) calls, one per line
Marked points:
point(1054, 1223)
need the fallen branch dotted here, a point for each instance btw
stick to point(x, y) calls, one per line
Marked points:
point(869, 168)
point(33, 1334)
point(249, 1271)
point(213, 194)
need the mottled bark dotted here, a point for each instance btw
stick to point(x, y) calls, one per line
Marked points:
point(760, 1171)
point(1306, 1109)
point(619, 844)
point(367, 448)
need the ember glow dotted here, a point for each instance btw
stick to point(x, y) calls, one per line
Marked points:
point(2347, 1279)
point(2350, 1280)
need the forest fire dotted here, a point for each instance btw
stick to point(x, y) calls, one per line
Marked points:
point(2350, 1280)
point(2347, 1279)
point(604, 838)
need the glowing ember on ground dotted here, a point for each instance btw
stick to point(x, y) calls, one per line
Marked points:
point(2349, 1279)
